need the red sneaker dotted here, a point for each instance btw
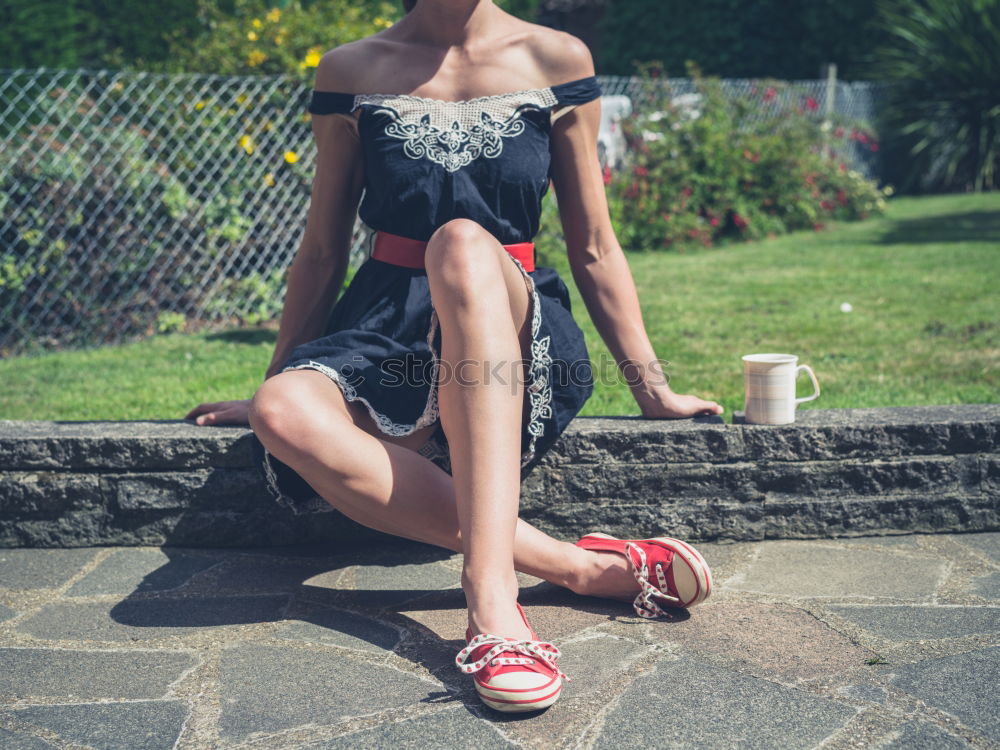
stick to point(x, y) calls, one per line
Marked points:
point(512, 675)
point(682, 574)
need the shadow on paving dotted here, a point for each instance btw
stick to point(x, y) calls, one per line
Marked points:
point(378, 601)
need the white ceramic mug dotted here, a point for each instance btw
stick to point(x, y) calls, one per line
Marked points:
point(769, 384)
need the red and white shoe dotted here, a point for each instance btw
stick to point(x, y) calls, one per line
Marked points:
point(682, 574)
point(512, 675)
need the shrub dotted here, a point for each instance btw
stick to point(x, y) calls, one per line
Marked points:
point(256, 36)
point(707, 167)
point(942, 118)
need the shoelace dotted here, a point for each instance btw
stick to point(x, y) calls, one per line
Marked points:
point(544, 652)
point(644, 604)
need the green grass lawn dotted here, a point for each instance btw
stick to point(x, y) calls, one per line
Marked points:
point(924, 329)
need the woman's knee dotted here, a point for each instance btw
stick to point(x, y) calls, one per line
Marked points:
point(462, 260)
point(282, 406)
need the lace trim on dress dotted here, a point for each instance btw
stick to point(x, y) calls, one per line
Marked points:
point(312, 504)
point(539, 387)
point(454, 134)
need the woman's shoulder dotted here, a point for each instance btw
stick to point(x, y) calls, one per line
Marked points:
point(563, 56)
point(347, 65)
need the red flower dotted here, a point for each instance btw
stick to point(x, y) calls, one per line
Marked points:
point(842, 197)
point(714, 221)
point(811, 103)
point(693, 232)
point(633, 190)
point(739, 221)
point(666, 217)
point(607, 174)
point(769, 94)
point(826, 205)
point(839, 132)
point(874, 146)
point(641, 171)
point(817, 226)
point(686, 192)
point(842, 167)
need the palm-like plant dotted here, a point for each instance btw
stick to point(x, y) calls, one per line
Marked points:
point(942, 118)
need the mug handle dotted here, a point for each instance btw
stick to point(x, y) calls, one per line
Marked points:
point(812, 376)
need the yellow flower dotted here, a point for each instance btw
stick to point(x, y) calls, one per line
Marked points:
point(888, 190)
point(269, 179)
point(256, 57)
point(252, 36)
point(246, 143)
point(199, 105)
point(312, 57)
point(279, 38)
point(268, 126)
point(385, 22)
point(241, 98)
point(257, 23)
point(274, 15)
point(291, 157)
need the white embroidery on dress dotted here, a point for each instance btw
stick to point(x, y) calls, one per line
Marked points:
point(453, 134)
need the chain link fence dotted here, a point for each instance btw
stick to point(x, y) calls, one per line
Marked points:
point(132, 203)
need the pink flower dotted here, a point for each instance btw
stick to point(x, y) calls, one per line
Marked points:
point(714, 221)
point(739, 221)
point(607, 174)
point(874, 146)
point(769, 94)
point(811, 103)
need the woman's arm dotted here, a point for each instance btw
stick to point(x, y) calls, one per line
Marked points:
point(320, 264)
point(598, 265)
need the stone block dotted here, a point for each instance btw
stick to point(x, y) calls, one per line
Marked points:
point(144, 725)
point(42, 494)
point(906, 623)
point(237, 489)
point(270, 689)
point(146, 619)
point(706, 706)
point(803, 569)
point(74, 675)
point(453, 728)
point(40, 568)
point(128, 571)
point(137, 445)
point(954, 684)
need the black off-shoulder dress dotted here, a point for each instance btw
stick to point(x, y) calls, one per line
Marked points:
point(428, 161)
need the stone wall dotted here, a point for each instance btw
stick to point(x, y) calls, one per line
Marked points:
point(835, 472)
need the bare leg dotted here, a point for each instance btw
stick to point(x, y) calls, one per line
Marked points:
point(481, 301)
point(381, 482)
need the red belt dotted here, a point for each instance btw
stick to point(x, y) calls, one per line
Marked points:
point(408, 252)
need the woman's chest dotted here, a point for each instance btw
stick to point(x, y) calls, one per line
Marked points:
point(492, 140)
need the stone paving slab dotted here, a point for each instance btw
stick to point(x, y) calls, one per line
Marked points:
point(74, 674)
point(863, 642)
point(136, 725)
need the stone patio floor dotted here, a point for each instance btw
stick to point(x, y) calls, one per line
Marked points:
point(889, 642)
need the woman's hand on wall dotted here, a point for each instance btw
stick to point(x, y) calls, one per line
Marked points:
point(221, 412)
